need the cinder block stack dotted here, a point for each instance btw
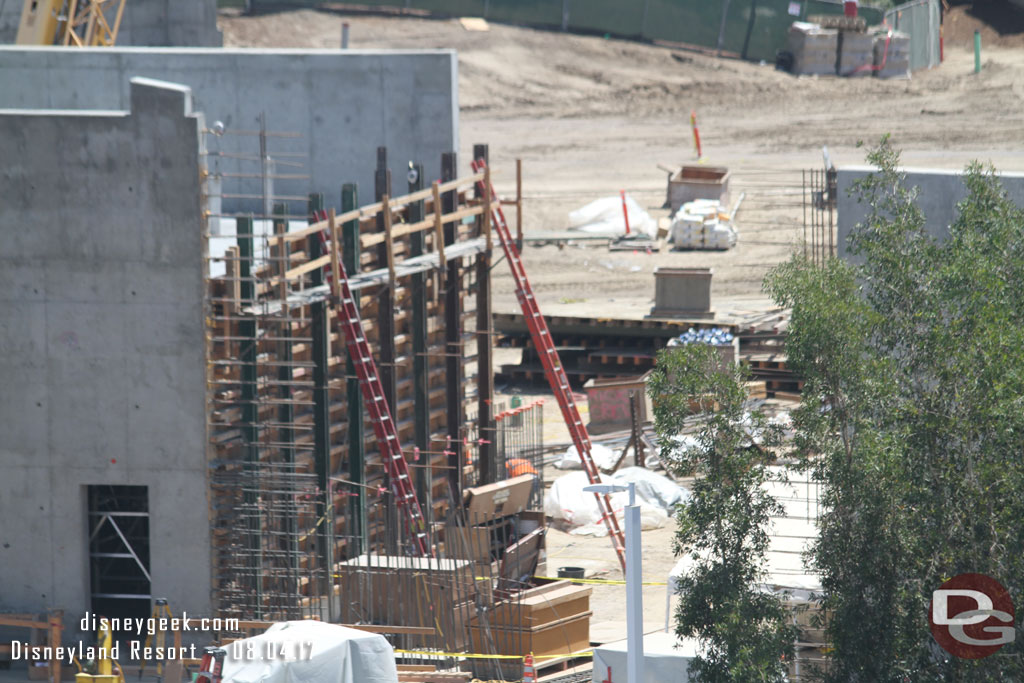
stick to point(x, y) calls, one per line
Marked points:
point(856, 54)
point(892, 61)
point(813, 48)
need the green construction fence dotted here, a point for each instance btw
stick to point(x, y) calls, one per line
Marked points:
point(753, 29)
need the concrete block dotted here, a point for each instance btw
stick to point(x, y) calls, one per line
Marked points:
point(682, 292)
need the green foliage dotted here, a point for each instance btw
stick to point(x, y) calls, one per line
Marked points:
point(724, 526)
point(913, 358)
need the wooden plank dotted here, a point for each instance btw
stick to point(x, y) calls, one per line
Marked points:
point(335, 252)
point(439, 677)
point(389, 245)
point(372, 210)
point(438, 224)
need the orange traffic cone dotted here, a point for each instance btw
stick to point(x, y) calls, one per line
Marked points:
point(529, 674)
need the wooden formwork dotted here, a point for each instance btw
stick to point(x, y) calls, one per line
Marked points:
point(282, 400)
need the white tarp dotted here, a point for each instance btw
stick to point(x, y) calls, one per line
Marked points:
point(789, 537)
point(605, 216)
point(603, 457)
point(310, 652)
point(666, 659)
point(656, 496)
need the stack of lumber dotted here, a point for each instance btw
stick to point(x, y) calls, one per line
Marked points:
point(552, 619)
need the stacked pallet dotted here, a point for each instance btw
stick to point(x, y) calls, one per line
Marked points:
point(856, 53)
point(777, 376)
point(892, 55)
point(593, 348)
point(813, 48)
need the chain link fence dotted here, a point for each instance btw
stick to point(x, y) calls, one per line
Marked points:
point(751, 29)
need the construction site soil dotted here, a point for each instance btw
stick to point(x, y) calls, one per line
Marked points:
point(591, 116)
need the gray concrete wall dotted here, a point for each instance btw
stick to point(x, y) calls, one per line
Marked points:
point(183, 23)
point(342, 104)
point(102, 375)
point(939, 192)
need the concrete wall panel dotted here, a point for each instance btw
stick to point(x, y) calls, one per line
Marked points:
point(102, 326)
point(342, 104)
point(939, 191)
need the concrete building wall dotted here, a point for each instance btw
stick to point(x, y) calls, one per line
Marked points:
point(145, 22)
point(341, 104)
point(102, 259)
point(939, 192)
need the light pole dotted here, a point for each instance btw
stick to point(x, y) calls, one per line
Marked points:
point(634, 582)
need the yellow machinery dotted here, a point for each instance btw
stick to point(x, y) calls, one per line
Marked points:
point(105, 664)
point(92, 23)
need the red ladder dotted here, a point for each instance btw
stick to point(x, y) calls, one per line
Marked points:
point(376, 404)
point(552, 364)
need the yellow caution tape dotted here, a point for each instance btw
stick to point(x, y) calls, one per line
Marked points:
point(472, 655)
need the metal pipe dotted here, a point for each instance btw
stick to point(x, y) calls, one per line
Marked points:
point(977, 51)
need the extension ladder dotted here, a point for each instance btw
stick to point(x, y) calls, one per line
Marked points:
point(376, 404)
point(552, 364)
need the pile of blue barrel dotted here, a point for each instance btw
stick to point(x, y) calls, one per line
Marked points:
point(709, 335)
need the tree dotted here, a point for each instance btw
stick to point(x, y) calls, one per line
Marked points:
point(912, 418)
point(723, 528)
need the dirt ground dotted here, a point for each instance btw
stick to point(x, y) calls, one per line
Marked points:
point(591, 116)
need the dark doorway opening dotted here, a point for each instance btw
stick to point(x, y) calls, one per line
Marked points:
point(119, 552)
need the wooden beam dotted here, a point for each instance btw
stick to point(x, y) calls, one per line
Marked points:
point(335, 254)
point(439, 224)
point(389, 246)
point(367, 241)
point(372, 210)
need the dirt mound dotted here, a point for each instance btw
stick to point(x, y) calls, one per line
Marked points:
point(1001, 24)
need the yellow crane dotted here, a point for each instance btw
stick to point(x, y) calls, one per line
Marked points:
point(83, 23)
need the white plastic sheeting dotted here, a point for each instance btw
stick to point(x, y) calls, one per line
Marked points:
point(603, 457)
point(311, 652)
point(789, 537)
point(605, 215)
point(656, 496)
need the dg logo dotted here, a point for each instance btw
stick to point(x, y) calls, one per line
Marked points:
point(972, 616)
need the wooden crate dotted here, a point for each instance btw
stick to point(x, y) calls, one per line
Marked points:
point(553, 619)
point(544, 605)
point(562, 637)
